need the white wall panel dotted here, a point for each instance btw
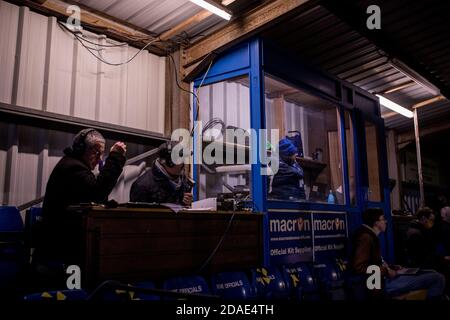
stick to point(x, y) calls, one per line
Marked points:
point(9, 17)
point(32, 59)
point(113, 91)
point(87, 73)
point(60, 73)
point(137, 85)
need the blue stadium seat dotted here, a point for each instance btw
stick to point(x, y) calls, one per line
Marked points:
point(58, 295)
point(112, 293)
point(270, 284)
point(189, 285)
point(232, 286)
point(12, 254)
point(331, 280)
point(146, 296)
point(310, 289)
point(292, 279)
point(10, 222)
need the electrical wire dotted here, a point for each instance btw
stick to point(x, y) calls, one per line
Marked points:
point(101, 58)
point(218, 244)
point(190, 92)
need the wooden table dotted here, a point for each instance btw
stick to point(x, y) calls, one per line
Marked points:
point(152, 244)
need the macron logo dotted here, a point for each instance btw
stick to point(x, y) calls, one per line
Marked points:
point(289, 225)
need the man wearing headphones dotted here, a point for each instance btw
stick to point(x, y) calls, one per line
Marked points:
point(165, 182)
point(72, 182)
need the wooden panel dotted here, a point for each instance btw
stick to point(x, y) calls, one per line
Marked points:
point(152, 244)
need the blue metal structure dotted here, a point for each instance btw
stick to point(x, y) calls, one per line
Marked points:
point(255, 58)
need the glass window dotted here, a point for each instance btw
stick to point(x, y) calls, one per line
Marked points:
point(309, 145)
point(374, 188)
point(349, 138)
point(225, 171)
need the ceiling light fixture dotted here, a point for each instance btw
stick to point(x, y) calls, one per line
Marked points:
point(395, 107)
point(213, 7)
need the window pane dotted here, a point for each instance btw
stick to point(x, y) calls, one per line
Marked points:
point(310, 167)
point(374, 189)
point(349, 137)
point(224, 105)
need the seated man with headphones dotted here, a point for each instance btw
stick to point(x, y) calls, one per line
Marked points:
point(165, 182)
point(72, 182)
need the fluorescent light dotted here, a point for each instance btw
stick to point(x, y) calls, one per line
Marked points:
point(395, 107)
point(212, 7)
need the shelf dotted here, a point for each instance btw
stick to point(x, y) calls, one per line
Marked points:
point(311, 164)
point(230, 169)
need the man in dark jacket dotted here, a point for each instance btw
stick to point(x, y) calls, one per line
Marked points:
point(72, 182)
point(445, 231)
point(165, 182)
point(366, 251)
point(287, 183)
point(422, 244)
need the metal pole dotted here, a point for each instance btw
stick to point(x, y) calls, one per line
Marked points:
point(419, 159)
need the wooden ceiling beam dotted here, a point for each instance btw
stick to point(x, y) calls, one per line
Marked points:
point(428, 101)
point(244, 26)
point(186, 24)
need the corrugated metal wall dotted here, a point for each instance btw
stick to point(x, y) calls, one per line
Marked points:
point(44, 68)
point(29, 154)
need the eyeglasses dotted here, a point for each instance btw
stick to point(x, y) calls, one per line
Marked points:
point(98, 153)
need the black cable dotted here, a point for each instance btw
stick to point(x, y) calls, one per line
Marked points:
point(80, 40)
point(218, 244)
point(176, 79)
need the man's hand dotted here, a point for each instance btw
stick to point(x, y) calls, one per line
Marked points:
point(187, 199)
point(119, 147)
point(391, 273)
point(396, 267)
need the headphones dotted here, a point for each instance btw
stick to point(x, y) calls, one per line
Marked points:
point(165, 153)
point(79, 143)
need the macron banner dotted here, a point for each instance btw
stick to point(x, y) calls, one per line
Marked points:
point(330, 235)
point(290, 237)
point(303, 236)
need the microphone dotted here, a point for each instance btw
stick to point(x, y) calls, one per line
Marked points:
point(101, 164)
point(191, 183)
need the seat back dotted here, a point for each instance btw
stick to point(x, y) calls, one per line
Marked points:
point(12, 255)
point(189, 285)
point(10, 222)
point(309, 285)
point(270, 284)
point(59, 295)
point(232, 286)
point(331, 280)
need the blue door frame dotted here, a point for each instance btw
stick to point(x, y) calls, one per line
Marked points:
point(254, 58)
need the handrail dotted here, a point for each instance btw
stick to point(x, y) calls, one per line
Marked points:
point(131, 161)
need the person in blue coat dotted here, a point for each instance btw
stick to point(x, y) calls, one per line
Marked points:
point(287, 183)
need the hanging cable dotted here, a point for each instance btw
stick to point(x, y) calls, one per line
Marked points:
point(101, 58)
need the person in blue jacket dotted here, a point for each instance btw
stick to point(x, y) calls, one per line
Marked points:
point(287, 183)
